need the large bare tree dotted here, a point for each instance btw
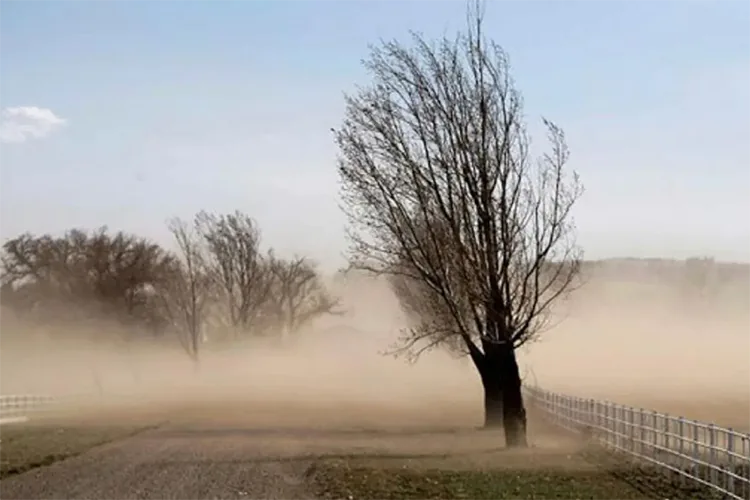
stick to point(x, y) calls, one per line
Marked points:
point(239, 267)
point(444, 196)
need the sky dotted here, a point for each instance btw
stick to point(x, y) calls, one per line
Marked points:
point(128, 113)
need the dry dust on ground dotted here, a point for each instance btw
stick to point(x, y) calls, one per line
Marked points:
point(252, 420)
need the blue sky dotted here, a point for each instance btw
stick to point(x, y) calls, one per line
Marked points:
point(163, 108)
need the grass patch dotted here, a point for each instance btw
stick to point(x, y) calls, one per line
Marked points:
point(27, 446)
point(654, 481)
point(351, 481)
point(339, 480)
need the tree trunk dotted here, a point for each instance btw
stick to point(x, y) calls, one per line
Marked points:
point(493, 404)
point(503, 401)
point(514, 412)
point(493, 392)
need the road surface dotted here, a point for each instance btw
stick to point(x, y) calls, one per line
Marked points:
point(245, 457)
point(165, 463)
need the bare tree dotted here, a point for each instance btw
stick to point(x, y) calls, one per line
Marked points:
point(238, 266)
point(186, 294)
point(442, 195)
point(298, 295)
point(110, 272)
point(698, 271)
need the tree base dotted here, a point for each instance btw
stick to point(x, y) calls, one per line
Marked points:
point(513, 424)
point(515, 430)
point(503, 400)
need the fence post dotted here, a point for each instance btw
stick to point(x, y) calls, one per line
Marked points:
point(696, 449)
point(667, 453)
point(642, 424)
point(574, 413)
point(553, 407)
point(618, 426)
point(656, 433)
point(730, 461)
point(615, 411)
point(744, 472)
point(624, 428)
point(681, 432)
point(606, 424)
point(631, 430)
point(712, 453)
point(595, 417)
point(621, 425)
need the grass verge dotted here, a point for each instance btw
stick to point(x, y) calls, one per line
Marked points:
point(27, 446)
point(606, 476)
point(340, 480)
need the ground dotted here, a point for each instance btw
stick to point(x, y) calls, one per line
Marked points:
point(347, 481)
point(32, 445)
point(210, 452)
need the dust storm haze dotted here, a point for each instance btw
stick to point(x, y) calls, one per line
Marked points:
point(629, 337)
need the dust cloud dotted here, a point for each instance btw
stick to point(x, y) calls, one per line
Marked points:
point(654, 343)
point(638, 342)
point(335, 373)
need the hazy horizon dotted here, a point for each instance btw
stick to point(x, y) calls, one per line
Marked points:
point(126, 114)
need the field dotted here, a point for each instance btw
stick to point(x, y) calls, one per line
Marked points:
point(292, 450)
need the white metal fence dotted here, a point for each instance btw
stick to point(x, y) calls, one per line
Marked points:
point(713, 456)
point(20, 407)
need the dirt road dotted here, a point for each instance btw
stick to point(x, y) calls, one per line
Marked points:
point(202, 460)
point(164, 463)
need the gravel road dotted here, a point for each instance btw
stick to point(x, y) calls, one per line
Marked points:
point(228, 453)
point(167, 463)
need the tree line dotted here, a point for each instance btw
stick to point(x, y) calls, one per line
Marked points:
point(218, 281)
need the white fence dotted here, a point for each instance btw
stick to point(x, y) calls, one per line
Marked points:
point(713, 456)
point(20, 407)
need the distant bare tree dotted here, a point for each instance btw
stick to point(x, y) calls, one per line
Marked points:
point(698, 271)
point(442, 195)
point(187, 293)
point(298, 295)
point(240, 270)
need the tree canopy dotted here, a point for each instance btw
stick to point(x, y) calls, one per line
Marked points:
point(444, 197)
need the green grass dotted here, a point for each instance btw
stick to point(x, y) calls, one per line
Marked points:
point(339, 480)
point(604, 477)
point(27, 446)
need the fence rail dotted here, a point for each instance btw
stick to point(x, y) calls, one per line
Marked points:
point(20, 407)
point(707, 454)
